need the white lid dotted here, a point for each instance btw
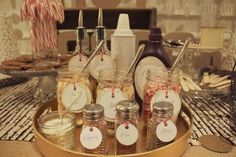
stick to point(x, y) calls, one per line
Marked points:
point(123, 27)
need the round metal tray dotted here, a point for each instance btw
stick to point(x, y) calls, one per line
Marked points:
point(174, 149)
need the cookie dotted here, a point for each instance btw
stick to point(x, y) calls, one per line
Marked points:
point(215, 143)
point(7, 67)
point(27, 66)
point(24, 58)
point(13, 63)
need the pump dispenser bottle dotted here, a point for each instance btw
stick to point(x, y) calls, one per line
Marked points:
point(123, 43)
point(154, 56)
point(103, 60)
point(81, 49)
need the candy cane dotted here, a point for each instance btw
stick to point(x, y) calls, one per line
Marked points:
point(43, 14)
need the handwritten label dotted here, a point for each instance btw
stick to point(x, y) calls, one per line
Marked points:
point(97, 64)
point(75, 96)
point(169, 96)
point(91, 137)
point(127, 135)
point(109, 98)
point(166, 131)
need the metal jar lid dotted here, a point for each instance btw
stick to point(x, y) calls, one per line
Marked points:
point(93, 111)
point(163, 109)
point(126, 108)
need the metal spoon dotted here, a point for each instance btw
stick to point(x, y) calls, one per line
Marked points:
point(92, 56)
point(180, 55)
point(137, 56)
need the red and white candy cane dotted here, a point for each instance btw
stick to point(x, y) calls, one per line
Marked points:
point(43, 14)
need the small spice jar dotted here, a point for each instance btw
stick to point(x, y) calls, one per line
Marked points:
point(161, 129)
point(92, 136)
point(161, 85)
point(73, 92)
point(113, 87)
point(58, 129)
point(126, 127)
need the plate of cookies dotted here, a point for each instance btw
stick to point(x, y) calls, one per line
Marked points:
point(24, 65)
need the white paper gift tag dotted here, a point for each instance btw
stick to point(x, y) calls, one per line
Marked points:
point(78, 94)
point(90, 137)
point(169, 96)
point(127, 134)
point(166, 131)
point(97, 64)
point(140, 75)
point(108, 99)
point(77, 62)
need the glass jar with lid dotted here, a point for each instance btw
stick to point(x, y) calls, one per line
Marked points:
point(161, 129)
point(73, 92)
point(126, 127)
point(92, 137)
point(161, 85)
point(113, 87)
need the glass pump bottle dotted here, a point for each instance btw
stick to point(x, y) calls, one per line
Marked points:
point(103, 60)
point(81, 49)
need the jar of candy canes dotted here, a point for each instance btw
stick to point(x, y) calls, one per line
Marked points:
point(161, 85)
point(73, 92)
point(113, 87)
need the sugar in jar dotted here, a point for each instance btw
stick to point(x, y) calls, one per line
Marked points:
point(59, 129)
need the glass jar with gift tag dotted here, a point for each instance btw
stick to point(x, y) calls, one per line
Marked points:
point(73, 92)
point(161, 85)
point(113, 87)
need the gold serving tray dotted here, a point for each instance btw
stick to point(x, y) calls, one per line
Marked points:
point(174, 149)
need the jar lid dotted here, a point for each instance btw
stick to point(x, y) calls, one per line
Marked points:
point(163, 109)
point(127, 106)
point(127, 109)
point(93, 111)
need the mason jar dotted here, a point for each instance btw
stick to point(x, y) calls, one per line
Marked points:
point(59, 129)
point(161, 85)
point(73, 92)
point(113, 87)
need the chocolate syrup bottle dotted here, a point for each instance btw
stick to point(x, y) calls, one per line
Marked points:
point(154, 56)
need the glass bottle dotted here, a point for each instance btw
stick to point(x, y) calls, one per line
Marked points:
point(59, 130)
point(81, 49)
point(103, 60)
point(161, 130)
point(161, 85)
point(73, 92)
point(154, 55)
point(126, 127)
point(113, 86)
point(92, 137)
